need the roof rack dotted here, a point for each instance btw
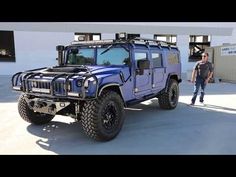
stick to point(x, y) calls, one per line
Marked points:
point(136, 40)
point(93, 42)
point(152, 42)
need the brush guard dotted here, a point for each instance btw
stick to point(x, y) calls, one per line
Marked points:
point(53, 88)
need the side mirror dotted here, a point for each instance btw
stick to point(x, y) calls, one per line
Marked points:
point(127, 62)
point(142, 64)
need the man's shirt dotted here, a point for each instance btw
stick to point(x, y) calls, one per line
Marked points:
point(203, 69)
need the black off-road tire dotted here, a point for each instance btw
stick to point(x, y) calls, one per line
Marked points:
point(169, 99)
point(29, 115)
point(102, 119)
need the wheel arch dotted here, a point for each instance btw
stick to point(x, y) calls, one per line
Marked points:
point(111, 86)
point(172, 76)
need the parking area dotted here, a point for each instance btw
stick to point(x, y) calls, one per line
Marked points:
point(209, 129)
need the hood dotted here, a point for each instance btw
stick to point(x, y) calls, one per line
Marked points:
point(106, 71)
point(99, 71)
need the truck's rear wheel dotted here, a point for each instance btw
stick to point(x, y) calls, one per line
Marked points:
point(102, 119)
point(29, 115)
point(169, 99)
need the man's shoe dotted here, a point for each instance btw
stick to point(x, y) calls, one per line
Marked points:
point(191, 104)
point(202, 103)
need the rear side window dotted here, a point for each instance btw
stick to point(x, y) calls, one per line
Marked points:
point(173, 58)
point(157, 60)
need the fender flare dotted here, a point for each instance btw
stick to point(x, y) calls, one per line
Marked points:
point(109, 85)
point(168, 79)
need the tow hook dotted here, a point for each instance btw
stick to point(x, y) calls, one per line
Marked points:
point(46, 106)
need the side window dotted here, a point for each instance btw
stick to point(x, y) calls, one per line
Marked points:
point(157, 60)
point(140, 56)
point(173, 58)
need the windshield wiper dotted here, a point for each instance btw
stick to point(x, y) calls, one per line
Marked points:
point(111, 46)
point(107, 49)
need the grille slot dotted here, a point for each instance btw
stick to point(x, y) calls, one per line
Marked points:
point(59, 88)
point(41, 86)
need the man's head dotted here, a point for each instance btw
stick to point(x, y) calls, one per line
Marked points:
point(205, 56)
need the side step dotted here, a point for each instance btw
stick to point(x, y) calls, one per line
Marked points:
point(144, 98)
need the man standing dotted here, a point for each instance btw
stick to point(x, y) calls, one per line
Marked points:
point(202, 73)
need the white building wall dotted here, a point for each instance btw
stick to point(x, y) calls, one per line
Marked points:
point(233, 37)
point(108, 36)
point(38, 49)
point(219, 40)
point(149, 36)
point(183, 45)
point(34, 50)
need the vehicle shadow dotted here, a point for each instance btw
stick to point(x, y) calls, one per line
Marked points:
point(69, 138)
point(147, 130)
point(59, 137)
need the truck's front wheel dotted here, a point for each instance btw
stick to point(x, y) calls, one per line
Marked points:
point(102, 119)
point(29, 115)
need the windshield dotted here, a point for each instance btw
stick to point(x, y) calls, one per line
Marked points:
point(81, 57)
point(113, 56)
point(105, 56)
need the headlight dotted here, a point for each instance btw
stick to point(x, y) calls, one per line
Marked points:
point(79, 83)
point(69, 86)
point(86, 83)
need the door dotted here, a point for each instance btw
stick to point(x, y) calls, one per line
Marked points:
point(143, 78)
point(158, 71)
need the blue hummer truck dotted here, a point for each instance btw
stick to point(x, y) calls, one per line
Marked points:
point(95, 80)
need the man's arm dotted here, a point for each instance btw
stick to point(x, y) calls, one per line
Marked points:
point(210, 74)
point(209, 77)
point(193, 75)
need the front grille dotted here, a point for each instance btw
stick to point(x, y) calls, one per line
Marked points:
point(43, 86)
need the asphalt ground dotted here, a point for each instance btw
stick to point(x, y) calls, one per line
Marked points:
point(199, 129)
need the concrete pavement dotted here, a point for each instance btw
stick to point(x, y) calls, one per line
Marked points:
point(147, 129)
